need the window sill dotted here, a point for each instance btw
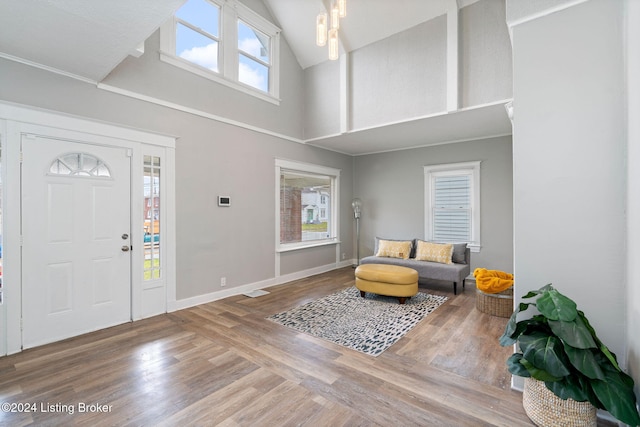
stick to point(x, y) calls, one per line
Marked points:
point(305, 245)
point(218, 78)
point(475, 248)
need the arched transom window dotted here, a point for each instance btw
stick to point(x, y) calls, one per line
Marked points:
point(79, 164)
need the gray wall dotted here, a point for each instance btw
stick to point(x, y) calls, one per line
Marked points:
point(149, 76)
point(215, 158)
point(633, 191)
point(391, 187)
point(569, 161)
point(321, 109)
point(485, 54)
point(404, 76)
point(212, 158)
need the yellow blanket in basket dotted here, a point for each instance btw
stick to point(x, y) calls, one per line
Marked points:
point(492, 281)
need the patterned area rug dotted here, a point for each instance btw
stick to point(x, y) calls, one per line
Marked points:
point(369, 325)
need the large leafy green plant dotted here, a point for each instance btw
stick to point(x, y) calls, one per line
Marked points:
point(559, 346)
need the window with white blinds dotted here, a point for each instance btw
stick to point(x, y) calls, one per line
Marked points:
point(452, 203)
point(452, 208)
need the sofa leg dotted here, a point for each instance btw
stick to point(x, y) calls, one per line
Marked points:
point(402, 299)
point(464, 281)
point(455, 286)
point(362, 293)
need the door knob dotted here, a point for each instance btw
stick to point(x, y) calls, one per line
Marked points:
point(125, 236)
point(125, 248)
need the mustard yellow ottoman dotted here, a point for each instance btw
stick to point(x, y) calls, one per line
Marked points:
point(389, 280)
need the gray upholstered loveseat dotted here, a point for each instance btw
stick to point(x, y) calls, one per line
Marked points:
point(455, 272)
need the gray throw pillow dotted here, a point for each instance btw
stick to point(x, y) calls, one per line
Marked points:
point(458, 253)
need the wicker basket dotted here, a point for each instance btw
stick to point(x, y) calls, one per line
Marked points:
point(500, 304)
point(546, 409)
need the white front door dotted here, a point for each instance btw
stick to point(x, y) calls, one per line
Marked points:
point(76, 216)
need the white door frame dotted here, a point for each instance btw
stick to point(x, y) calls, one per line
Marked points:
point(148, 299)
point(76, 278)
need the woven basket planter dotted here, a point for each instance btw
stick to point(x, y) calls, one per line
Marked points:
point(500, 304)
point(546, 409)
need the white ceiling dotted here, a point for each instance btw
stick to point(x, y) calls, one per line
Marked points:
point(84, 38)
point(367, 21)
point(89, 38)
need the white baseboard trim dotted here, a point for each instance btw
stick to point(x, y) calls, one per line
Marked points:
point(238, 290)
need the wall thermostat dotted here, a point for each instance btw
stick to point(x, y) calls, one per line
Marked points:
point(224, 201)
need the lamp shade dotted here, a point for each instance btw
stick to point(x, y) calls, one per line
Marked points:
point(356, 204)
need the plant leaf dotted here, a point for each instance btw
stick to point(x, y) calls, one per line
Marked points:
point(606, 365)
point(575, 333)
point(532, 294)
point(536, 373)
point(511, 330)
point(507, 336)
point(584, 361)
point(611, 356)
point(569, 387)
point(546, 287)
point(543, 289)
point(526, 327)
point(544, 352)
point(515, 367)
point(617, 397)
point(555, 306)
point(605, 350)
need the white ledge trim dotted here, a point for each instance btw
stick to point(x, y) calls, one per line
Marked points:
point(194, 111)
point(47, 68)
point(306, 245)
point(545, 12)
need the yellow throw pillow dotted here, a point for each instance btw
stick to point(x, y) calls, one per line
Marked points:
point(394, 249)
point(436, 252)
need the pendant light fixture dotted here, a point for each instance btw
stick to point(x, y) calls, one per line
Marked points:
point(333, 44)
point(335, 17)
point(342, 8)
point(321, 29)
point(327, 29)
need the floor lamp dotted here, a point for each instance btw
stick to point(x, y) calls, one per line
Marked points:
point(356, 204)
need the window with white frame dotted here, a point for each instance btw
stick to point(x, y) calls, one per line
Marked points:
point(226, 42)
point(300, 189)
point(197, 33)
point(254, 59)
point(151, 181)
point(452, 203)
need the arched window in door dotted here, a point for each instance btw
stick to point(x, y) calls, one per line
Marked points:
point(79, 164)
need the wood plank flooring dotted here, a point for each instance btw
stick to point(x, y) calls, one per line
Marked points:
point(224, 364)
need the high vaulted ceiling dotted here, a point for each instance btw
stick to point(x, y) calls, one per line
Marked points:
point(87, 39)
point(367, 21)
point(84, 38)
